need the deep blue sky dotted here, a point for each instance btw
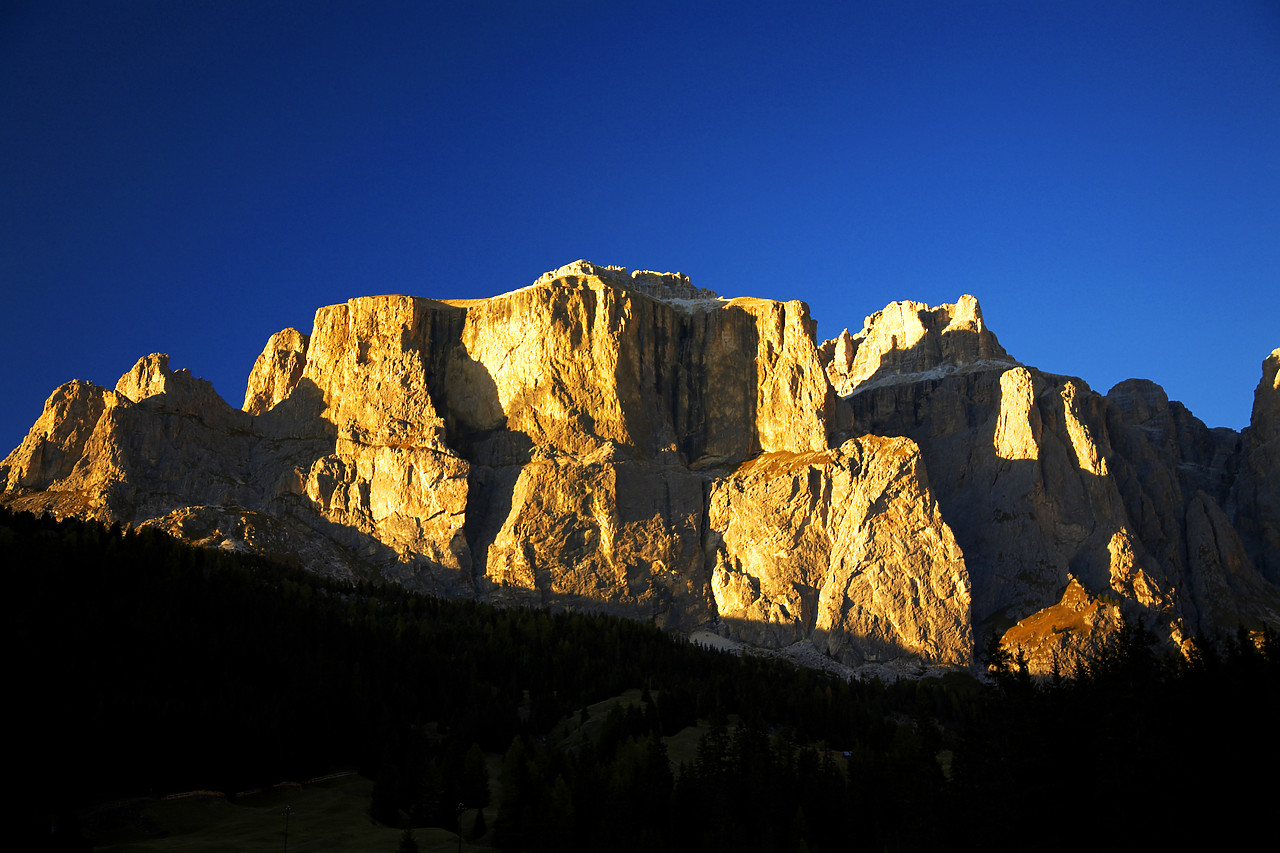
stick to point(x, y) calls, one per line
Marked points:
point(189, 177)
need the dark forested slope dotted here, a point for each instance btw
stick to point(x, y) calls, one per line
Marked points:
point(144, 666)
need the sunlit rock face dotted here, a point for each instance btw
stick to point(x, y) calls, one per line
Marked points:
point(130, 453)
point(1058, 637)
point(553, 446)
point(909, 340)
point(845, 548)
point(629, 443)
point(276, 372)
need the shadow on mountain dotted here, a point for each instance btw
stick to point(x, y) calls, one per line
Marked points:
point(844, 647)
point(298, 416)
point(1043, 481)
point(714, 394)
point(477, 431)
point(954, 348)
point(1020, 549)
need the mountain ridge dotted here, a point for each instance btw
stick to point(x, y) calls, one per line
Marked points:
point(633, 444)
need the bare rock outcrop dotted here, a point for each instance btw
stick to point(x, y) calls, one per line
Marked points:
point(844, 547)
point(626, 442)
point(667, 286)
point(144, 449)
point(276, 372)
point(550, 446)
point(580, 532)
point(1256, 491)
point(1061, 636)
point(911, 339)
point(55, 452)
point(1016, 464)
point(1049, 486)
point(588, 411)
point(1175, 475)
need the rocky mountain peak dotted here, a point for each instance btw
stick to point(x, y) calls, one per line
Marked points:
point(1265, 422)
point(153, 385)
point(151, 376)
point(276, 371)
point(625, 442)
point(1256, 493)
point(667, 286)
point(908, 340)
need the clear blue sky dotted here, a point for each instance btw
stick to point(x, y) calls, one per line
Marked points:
point(189, 177)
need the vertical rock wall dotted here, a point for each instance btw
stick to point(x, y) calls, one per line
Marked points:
point(1065, 501)
point(633, 444)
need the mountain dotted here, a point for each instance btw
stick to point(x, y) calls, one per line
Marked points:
point(632, 444)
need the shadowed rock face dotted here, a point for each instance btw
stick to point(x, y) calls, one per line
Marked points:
point(1063, 500)
point(1255, 493)
point(633, 444)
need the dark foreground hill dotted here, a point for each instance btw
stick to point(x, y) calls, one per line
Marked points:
point(146, 666)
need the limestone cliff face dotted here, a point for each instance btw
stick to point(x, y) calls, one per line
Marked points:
point(1062, 499)
point(1256, 492)
point(276, 372)
point(55, 450)
point(552, 446)
point(844, 547)
point(910, 339)
point(627, 442)
point(130, 453)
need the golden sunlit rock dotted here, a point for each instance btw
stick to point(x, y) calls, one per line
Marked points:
point(629, 443)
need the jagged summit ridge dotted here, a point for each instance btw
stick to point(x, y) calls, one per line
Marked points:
point(908, 341)
point(625, 442)
point(667, 286)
